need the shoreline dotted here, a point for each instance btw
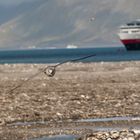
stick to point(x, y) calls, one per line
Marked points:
point(77, 91)
point(83, 131)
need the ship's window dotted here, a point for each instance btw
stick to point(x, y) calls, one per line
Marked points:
point(130, 24)
point(135, 31)
point(124, 31)
point(138, 23)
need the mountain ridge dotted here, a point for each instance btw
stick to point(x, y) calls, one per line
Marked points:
point(63, 22)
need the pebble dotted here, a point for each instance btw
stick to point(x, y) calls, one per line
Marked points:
point(113, 135)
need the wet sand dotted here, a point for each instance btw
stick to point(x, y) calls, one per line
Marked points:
point(77, 91)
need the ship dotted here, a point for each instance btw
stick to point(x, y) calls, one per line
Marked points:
point(129, 35)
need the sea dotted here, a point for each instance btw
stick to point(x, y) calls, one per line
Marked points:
point(59, 55)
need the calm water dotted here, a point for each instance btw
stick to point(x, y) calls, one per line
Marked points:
point(60, 55)
point(59, 137)
point(114, 127)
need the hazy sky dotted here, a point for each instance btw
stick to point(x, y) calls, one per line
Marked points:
point(13, 2)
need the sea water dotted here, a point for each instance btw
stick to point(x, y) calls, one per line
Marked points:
point(58, 137)
point(64, 54)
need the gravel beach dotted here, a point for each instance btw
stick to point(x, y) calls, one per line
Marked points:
point(77, 91)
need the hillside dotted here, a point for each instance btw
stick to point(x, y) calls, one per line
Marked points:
point(62, 22)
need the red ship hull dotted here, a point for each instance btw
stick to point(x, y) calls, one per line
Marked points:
point(131, 44)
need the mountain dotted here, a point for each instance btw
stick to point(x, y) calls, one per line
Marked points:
point(62, 22)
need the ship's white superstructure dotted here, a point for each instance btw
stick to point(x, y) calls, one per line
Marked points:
point(130, 35)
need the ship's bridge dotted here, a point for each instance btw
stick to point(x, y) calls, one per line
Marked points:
point(134, 23)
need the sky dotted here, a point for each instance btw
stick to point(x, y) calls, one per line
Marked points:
point(12, 8)
point(13, 2)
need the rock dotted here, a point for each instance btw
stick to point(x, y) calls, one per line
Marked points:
point(114, 134)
